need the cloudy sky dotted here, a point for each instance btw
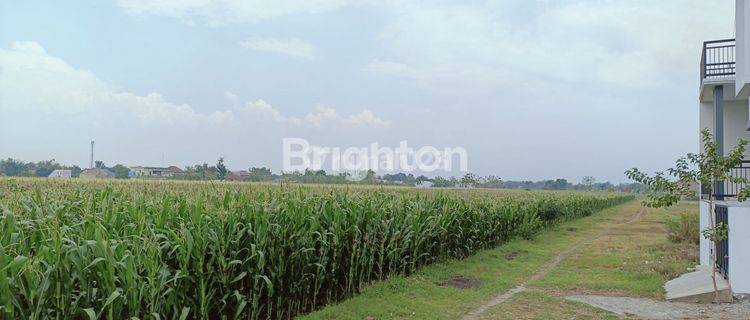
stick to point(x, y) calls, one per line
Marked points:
point(531, 89)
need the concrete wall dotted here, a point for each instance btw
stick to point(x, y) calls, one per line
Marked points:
point(739, 249)
point(735, 122)
point(705, 244)
point(742, 54)
point(739, 242)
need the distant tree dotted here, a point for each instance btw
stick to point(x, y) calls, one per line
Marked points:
point(121, 171)
point(13, 167)
point(588, 182)
point(491, 182)
point(557, 184)
point(100, 165)
point(370, 175)
point(469, 179)
point(44, 168)
point(259, 174)
point(440, 182)
point(221, 169)
point(75, 171)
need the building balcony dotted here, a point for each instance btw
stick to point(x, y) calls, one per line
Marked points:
point(717, 60)
point(727, 190)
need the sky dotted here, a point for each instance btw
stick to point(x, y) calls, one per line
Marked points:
point(531, 89)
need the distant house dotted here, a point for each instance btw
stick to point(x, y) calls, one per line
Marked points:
point(97, 173)
point(155, 172)
point(424, 184)
point(238, 175)
point(62, 174)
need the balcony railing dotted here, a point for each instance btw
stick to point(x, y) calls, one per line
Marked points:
point(717, 59)
point(727, 190)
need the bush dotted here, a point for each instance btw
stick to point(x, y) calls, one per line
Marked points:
point(684, 228)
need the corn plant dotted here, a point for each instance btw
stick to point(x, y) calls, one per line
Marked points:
point(196, 250)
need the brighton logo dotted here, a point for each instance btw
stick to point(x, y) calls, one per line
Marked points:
point(299, 155)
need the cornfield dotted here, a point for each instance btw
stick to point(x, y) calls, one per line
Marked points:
point(197, 250)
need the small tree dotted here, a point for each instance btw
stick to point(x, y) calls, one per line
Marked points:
point(709, 168)
point(588, 182)
point(221, 169)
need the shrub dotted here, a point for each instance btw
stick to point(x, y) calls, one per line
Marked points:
point(684, 228)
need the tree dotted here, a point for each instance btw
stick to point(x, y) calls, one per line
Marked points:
point(75, 171)
point(222, 169)
point(469, 179)
point(588, 182)
point(44, 168)
point(13, 167)
point(120, 171)
point(259, 174)
point(709, 168)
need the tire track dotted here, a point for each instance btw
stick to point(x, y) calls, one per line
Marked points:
point(473, 314)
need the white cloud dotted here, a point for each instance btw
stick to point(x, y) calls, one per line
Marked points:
point(218, 13)
point(60, 105)
point(493, 44)
point(322, 116)
point(291, 47)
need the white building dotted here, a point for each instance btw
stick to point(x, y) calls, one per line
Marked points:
point(155, 172)
point(424, 184)
point(724, 91)
point(62, 174)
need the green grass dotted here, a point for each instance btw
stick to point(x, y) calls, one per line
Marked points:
point(633, 258)
point(539, 306)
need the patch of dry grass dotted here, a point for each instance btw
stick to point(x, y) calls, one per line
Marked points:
point(537, 305)
point(633, 257)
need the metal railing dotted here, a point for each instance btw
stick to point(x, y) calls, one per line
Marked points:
point(726, 190)
point(722, 247)
point(717, 59)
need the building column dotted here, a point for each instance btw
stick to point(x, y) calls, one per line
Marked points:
point(719, 132)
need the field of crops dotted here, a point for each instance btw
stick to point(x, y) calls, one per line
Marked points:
point(199, 250)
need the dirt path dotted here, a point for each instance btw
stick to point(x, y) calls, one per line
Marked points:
point(474, 314)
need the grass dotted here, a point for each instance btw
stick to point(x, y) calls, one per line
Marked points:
point(539, 306)
point(684, 227)
point(632, 258)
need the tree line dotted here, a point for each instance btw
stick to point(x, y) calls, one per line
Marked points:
point(218, 171)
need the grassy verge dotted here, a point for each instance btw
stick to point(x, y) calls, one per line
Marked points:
point(537, 305)
point(632, 259)
point(420, 296)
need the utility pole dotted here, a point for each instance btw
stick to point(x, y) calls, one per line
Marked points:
point(91, 159)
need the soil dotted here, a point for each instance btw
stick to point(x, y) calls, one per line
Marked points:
point(512, 255)
point(460, 282)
